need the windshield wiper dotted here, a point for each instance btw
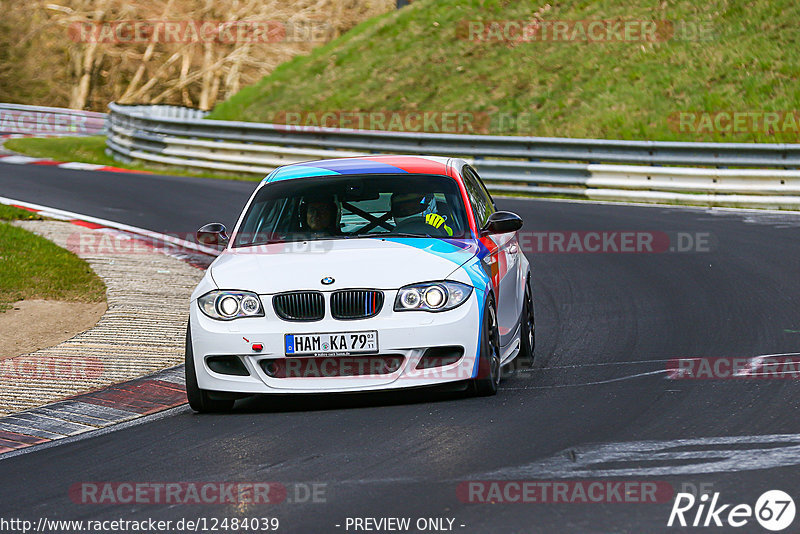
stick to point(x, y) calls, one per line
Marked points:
point(389, 234)
point(279, 241)
point(256, 244)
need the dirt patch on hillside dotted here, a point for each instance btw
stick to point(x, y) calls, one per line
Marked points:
point(31, 325)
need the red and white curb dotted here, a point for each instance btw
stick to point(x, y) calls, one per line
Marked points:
point(112, 404)
point(195, 254)
point(94, 410)
point(18, 159)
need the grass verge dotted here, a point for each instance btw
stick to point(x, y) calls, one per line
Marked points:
point(92, 150)
point(713, 56)
point(34, 267)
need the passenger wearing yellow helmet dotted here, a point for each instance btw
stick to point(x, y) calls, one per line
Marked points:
point(414, 213)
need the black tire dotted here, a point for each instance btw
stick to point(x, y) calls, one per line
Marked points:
point(489, 371)
point(199, 399)
point(528, 327)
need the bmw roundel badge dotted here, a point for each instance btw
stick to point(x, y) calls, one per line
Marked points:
point(328, 280)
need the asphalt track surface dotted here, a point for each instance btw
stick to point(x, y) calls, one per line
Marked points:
point(606, 325)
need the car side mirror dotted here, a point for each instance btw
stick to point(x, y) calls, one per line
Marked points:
point(212, 235)
point(502, 222)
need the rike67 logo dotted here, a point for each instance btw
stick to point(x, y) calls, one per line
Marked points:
point(774, 510)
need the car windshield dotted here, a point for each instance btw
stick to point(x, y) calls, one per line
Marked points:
point(354, 206)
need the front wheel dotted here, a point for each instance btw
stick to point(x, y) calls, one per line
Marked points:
point(488, 379)
point(199, 399)
point(527, 326)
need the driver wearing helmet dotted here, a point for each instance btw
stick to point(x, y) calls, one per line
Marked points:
point(320, 216)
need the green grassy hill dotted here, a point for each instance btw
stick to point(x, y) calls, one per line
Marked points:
point(714, 56)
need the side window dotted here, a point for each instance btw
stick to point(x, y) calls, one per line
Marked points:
point(482, 204)
point(485, 191)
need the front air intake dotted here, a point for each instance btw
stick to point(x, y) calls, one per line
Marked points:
point(440, 356)
point(299, 306)
point(356, 303)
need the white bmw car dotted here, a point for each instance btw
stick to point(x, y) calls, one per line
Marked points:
point(360, 274)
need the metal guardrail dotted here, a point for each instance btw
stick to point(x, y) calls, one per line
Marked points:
point(16, 119)
point(175, 136)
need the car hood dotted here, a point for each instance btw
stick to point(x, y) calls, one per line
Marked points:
point(388, 263)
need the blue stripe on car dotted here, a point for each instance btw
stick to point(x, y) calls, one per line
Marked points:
point(358, 166)
point(461, 253)
point(297, 171)
point(335, 167)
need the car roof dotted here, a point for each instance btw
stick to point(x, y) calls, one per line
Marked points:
point(362, 165)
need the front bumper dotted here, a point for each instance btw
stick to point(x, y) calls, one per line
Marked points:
point(407, 334)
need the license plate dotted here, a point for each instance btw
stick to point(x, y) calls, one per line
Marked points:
point(333, 343)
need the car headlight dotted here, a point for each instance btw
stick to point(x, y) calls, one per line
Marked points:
point(432, 296)
point(229, 305)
